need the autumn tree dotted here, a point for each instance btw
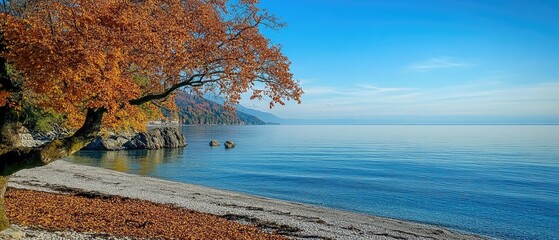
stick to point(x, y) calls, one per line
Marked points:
point(105, 63)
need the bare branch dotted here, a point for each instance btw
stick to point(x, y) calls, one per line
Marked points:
point(147, 98)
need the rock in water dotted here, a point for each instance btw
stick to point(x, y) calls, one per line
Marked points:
point(214, 143)
point(229, 144)
point(159, 138)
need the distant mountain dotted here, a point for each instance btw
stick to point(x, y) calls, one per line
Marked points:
point(197, 110)
point(264, 116)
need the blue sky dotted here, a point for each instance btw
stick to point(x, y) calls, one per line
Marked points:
point(427, 61)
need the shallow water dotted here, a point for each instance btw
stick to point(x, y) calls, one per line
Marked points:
point(500, 181)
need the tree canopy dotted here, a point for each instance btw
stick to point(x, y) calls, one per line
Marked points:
point(112, 63)
point(116, 55)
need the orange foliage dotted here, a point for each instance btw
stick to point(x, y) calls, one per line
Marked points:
point(117, 54)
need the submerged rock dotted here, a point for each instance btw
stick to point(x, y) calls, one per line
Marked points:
point(156, 138)
point(229, 144)
point(214, 143)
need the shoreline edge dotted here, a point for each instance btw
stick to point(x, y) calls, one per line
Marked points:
point(304, 221)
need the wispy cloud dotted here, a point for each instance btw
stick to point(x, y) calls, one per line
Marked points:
point(320, 90)
point(385, 89)
point(306, 81)
point(358, 90)
point(481, 99)
point(436, 63)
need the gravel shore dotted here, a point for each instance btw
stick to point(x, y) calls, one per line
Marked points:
point(41, 234)
point(294, 220)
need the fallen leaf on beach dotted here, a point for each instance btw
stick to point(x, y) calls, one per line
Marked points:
point(120, 216)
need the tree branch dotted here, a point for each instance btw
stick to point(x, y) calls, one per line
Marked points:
point(151, 97)
point(189, 82)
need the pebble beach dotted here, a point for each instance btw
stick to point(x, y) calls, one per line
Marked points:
point(121, 206)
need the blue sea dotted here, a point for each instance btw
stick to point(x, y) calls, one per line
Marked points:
point(498, 181)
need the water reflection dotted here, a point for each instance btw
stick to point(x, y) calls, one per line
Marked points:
point(142, 162)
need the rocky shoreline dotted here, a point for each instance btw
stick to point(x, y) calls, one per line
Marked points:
point(293, 220)
point(154, 138)
point(32, 233)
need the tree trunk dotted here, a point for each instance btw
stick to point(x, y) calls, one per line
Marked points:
point(14, 159)
point(4, 223)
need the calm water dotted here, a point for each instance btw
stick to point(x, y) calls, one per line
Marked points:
point(501, 181)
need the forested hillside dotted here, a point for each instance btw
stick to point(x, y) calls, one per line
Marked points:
point(197, 110)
